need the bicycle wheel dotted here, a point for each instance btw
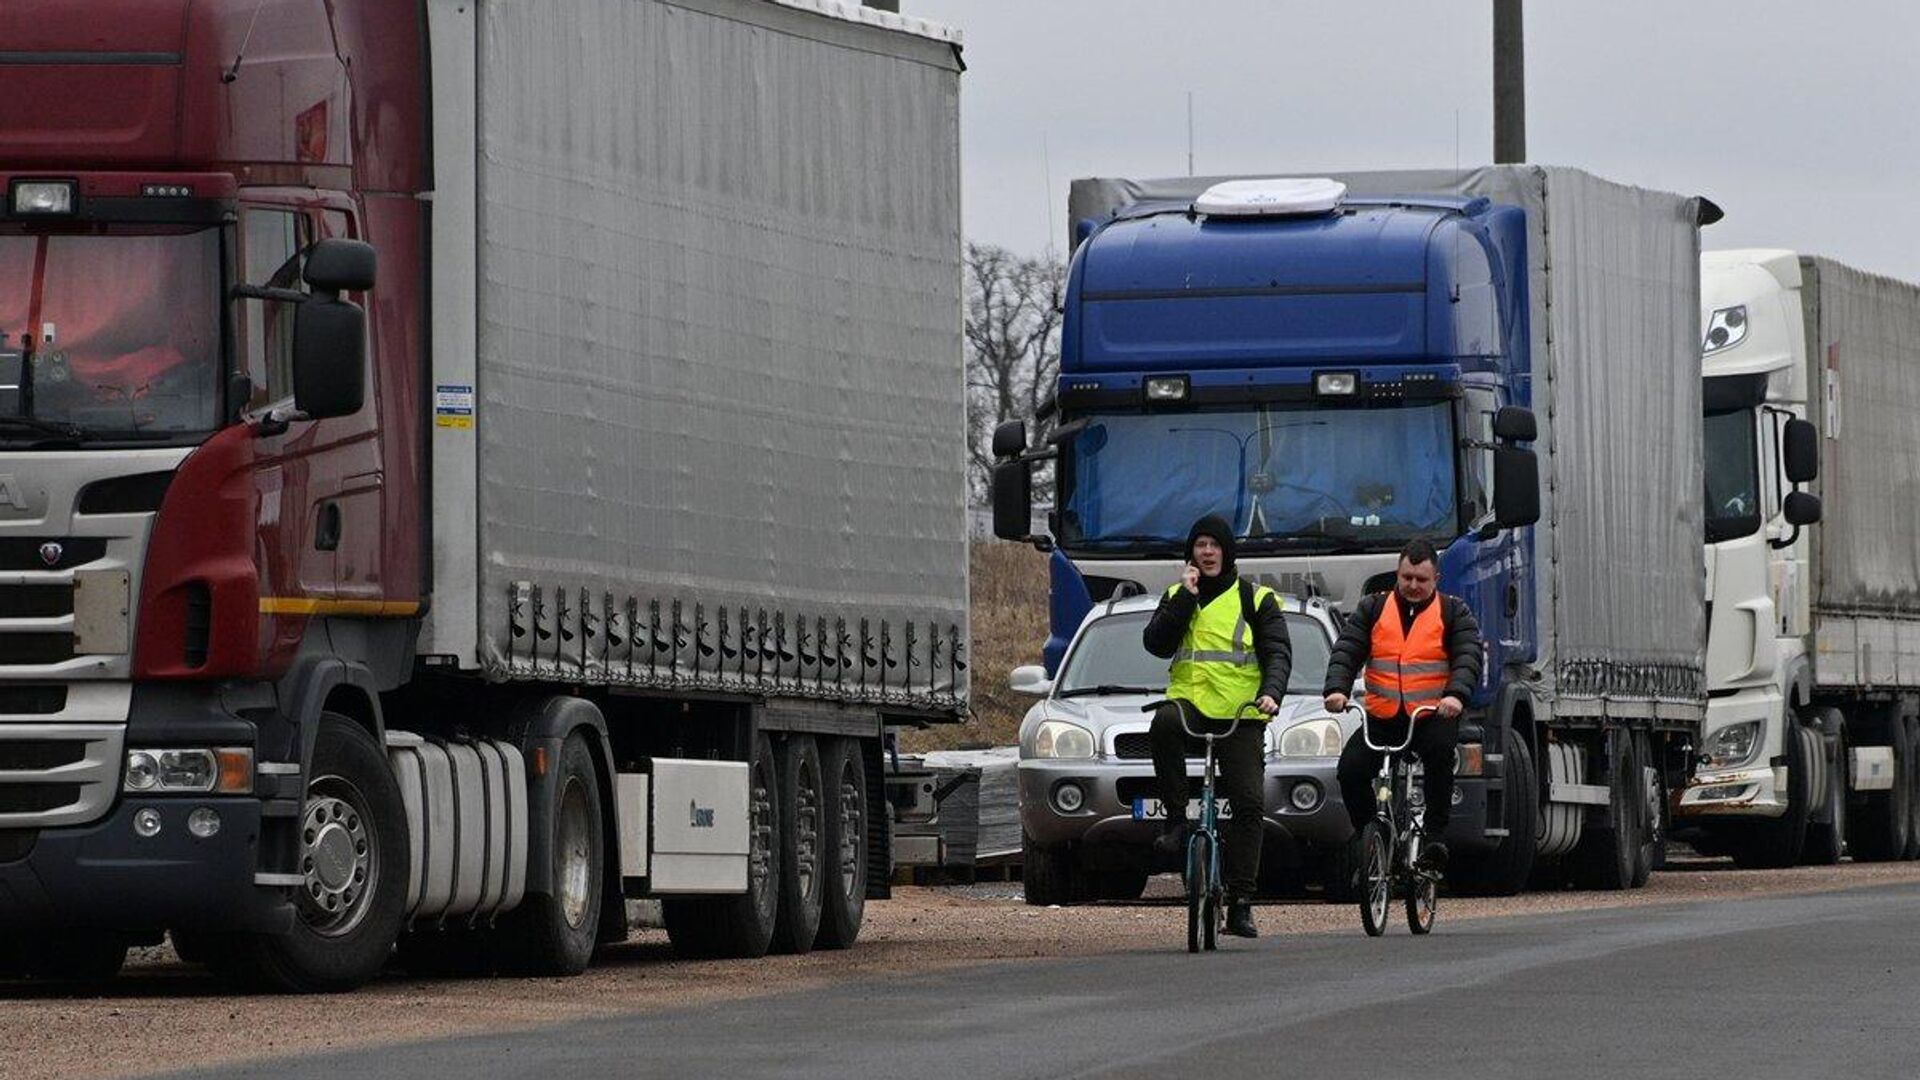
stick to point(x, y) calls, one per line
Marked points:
point(1376, 879)
point(1423, 902)
point(1199, 890)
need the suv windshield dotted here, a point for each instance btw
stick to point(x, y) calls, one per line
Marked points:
point(1111, 653)
point(117, 334)
point(1732, 475)
point(1290, 476)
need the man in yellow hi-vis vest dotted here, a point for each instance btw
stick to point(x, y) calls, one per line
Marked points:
point(1228, 643)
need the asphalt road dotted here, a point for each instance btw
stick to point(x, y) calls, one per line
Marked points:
point(1784, 987)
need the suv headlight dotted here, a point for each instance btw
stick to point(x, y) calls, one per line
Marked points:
point(1059, 739)
point(1314, 738)
point(1732, 745)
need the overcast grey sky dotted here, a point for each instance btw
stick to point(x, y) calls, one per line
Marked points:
point(1801, 119)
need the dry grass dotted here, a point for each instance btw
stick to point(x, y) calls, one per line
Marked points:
point(1009, 620)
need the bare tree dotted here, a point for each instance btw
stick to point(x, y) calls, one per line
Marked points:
point(1013, 350)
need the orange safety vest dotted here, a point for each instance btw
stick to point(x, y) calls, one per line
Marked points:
point(1407, 669)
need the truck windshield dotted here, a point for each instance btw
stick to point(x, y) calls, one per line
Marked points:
point(109, 334)
point(1733, 475)
point(1111, 654)
point(1290, 477)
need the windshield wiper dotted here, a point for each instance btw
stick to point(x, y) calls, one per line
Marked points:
point(1109, 688)
point(55, 428)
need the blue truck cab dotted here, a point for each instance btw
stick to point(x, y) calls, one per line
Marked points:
point(1335, 375)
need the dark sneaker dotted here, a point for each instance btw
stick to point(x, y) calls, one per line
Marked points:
point(1173, 837)
point(1433, 856)
point(1240, 920)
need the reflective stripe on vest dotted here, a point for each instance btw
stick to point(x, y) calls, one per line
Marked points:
point(1216, 667)
point(1407, 669)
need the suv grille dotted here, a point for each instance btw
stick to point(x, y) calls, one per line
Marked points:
point(1138, 745)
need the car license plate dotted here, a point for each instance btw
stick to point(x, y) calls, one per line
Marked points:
point(1154, 810)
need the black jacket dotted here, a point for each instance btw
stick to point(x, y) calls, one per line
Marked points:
point(1351, 652)
point(1168, 628)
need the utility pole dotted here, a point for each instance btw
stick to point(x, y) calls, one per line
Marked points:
point(1509, 84)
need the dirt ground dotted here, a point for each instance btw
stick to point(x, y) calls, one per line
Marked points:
point(161, 1014)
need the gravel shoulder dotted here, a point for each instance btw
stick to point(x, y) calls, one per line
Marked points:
point(163, 1015)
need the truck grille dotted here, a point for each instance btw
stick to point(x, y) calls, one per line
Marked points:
point(35, 648)
point(29, 552)
point(37, 798)
point(37, 755)
point(58, 773)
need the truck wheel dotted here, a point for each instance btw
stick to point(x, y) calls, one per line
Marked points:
point(1771, 845)
point(1606, 856)
point(1826, 839)
point(846, 841)
point(1653, 812)
point(1878, 831)
point(1506, 870)
point(554, 933)
point(739, 927)
point(354, 858)
point(1047, 873)
point(801, 878)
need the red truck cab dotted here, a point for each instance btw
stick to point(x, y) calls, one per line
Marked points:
point(211, 444)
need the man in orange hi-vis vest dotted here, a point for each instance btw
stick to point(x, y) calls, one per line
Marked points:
point(1416, 647)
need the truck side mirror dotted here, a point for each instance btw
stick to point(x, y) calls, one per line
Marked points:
point(1010, 439)
point(329, 357)
point(1515, 424)
point(1516, 487)
point(1012, 499)
point(337, 266)
point(1801, 452)
point(1801, 508)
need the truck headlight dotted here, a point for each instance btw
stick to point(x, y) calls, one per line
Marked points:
point(1732, 745)
point(226, 770)
point(1167, 388)
point(43, 197)
point(1314, 738)
point(1725, 329)
point(1059, 739)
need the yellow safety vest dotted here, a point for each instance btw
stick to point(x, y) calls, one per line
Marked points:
point(1216, 668)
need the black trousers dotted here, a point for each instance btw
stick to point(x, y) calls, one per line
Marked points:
point(1240, 779)
point(1433, 742)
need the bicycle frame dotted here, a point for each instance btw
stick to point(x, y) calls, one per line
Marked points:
point(1393, 787)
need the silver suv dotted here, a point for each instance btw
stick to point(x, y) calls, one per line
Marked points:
point(1089, 808)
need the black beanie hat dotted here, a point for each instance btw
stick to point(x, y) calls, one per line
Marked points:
point(1215, 526)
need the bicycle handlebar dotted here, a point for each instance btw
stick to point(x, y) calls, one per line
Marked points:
point(1366, 726)
point(1181, 707)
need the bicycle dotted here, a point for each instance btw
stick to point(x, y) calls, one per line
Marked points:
point(1206, 892)
point(1390, 843)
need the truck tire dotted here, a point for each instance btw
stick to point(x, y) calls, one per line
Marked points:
point(1653, 810)
point(1506, 870)
point(1606, 856)
point(1877, 830)
point(847, 841)
point(739, 927)
point(354, 856)
point(554, 933)
point(1047, 873)
point(802, 882)
point(1777, 843)
point(1827, 839)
